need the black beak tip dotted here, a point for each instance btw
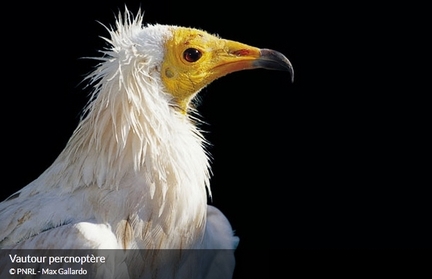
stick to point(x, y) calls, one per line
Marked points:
point(274, 60)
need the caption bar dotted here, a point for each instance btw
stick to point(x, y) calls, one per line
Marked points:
point(31, 264)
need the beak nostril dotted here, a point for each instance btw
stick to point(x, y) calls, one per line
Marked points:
point(241, 52)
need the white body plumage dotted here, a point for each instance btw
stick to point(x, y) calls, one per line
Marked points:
point(134, 173)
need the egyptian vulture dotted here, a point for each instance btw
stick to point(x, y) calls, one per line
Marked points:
point(135, 172)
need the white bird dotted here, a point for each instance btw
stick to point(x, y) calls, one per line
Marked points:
point(135, 172)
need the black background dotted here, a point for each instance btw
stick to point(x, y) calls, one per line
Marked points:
point(331, 161)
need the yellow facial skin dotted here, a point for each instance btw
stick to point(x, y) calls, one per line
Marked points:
point(218, 57)
point(194, 58)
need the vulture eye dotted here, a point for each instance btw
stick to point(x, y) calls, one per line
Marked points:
point(192, 54)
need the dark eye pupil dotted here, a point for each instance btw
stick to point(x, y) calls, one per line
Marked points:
point(192, 54)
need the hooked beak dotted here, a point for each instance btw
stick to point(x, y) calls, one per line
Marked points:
point(273, 60)
point(243, 57)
